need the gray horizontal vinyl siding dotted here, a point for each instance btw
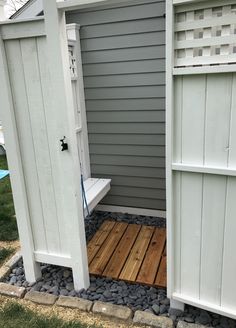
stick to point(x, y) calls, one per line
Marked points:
point(123, 54)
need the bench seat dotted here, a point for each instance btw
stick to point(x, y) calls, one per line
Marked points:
point(95, 190)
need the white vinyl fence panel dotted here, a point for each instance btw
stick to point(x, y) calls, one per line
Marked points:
point(201, 164)
point(37, 100)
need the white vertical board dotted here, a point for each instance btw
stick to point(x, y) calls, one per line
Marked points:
point(218, 104)
point(191, 208)
point(176, 261)
point(177, 119)
point(193, 113)
point(29, 50)
point(213, 217)
point(19, 94)
point(54, 150)
point(228, 295)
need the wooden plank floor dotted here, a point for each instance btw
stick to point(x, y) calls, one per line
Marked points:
point(130, 252)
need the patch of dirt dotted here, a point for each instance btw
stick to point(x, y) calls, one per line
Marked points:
point(10, 244)
point(70, 314)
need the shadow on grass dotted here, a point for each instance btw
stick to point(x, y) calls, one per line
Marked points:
point(8, 226)
point(14, 315)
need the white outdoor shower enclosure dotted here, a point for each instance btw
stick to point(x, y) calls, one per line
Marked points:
point(200, 156)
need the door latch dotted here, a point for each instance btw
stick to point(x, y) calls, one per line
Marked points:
point(64, 145)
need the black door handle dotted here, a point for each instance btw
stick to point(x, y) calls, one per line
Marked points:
point(64, 145)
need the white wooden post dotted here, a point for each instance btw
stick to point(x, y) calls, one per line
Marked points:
point(169, 147)
point(74, 35)
point(32, 269)
point(62, 100)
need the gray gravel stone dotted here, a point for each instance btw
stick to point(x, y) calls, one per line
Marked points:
point(66, 273)
point(182, 324)
point(13, 280)
point(64, 292)
point(175, 312)
point(156, 309)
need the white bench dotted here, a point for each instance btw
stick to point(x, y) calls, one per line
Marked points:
point(95, 190)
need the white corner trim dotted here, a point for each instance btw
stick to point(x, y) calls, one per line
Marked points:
point(131, 210)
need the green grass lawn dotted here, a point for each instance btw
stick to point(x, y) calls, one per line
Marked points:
point(14, 315)
point(8, 227)
point(5, 253)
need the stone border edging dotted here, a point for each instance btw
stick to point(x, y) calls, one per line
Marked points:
point(119, 312)
point(9, 265)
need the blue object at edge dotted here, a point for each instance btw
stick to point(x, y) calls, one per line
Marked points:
point(3, 174)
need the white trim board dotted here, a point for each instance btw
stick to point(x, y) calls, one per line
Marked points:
point(131, 210)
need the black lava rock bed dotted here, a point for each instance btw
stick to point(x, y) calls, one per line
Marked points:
point(58, 281)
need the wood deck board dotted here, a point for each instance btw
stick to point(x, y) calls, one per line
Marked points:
point(122, 251)
point(129, 252)
point(134, 261)
point(98, 239)
point(99, 262)
point(152, 258)
point(161, 279)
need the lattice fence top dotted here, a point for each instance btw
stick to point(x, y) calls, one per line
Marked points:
point(72, 61)
point(206, 36)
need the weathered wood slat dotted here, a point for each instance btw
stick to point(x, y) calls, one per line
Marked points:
point(98, 239)
point(152, 258)
point(137, 254)
point(122, 251)
point(130, 252)
point(99, 262)
point(162, 273)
